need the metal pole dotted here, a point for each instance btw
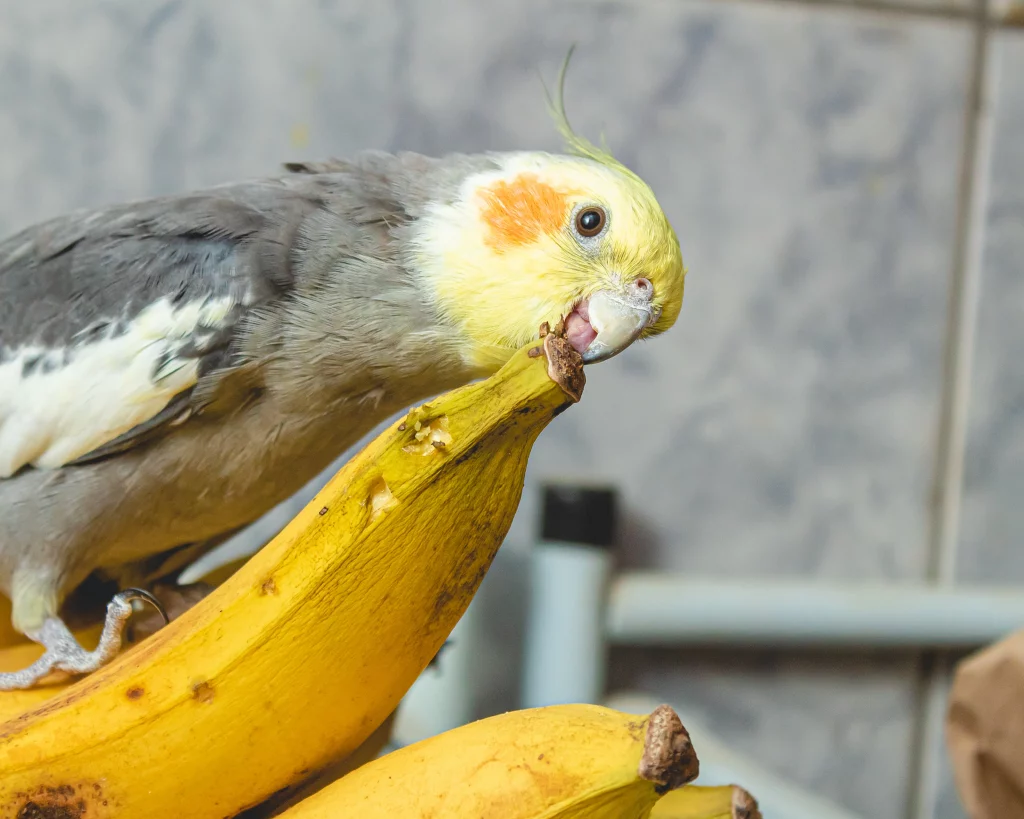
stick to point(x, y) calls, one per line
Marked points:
point(650, 608)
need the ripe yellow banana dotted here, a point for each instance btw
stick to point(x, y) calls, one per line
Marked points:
point(703, 802)
point(15, 702)
point(284, 799)
point(304, 651)
point(558, 762)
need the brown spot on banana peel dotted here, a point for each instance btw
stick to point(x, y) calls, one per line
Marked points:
point(60, 802)
point(744, 806)
point(471, 575)
point(37, 810)
point(669, 760)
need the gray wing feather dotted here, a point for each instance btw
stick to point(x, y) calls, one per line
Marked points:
point(83, 276)
point(64, 281)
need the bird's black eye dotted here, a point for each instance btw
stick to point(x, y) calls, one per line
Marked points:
point(590, 221)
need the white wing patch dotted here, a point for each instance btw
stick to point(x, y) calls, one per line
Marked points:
point(80, 397)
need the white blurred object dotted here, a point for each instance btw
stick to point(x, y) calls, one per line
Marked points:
point(564, 655)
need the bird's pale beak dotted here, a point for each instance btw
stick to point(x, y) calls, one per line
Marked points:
point(610, 320)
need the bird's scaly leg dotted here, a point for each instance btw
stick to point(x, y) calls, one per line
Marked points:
point(65, 656)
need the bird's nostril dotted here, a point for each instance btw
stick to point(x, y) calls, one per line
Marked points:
point(642, 288)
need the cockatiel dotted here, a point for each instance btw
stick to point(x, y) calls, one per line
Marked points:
point(171, 369)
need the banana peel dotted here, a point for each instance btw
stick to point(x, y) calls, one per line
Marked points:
point(15, 702)
point(707, 802)
point(296, 659)
point(22, 654)
point(281, 801)
point(556, 762)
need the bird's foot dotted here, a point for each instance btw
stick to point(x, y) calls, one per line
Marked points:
point(65, 657)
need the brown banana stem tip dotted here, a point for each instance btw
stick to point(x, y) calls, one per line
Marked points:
point(669, 760)
point(744, 806)
point(565, 366)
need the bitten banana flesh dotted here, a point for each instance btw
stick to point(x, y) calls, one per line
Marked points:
point(704, 802)
point(303, 652)
point(558, 762)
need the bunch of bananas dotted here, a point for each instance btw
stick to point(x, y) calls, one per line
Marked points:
point(273, 694)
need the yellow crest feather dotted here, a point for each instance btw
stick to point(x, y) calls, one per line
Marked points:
point(575, 144)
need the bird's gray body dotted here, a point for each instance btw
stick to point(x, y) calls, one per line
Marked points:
point(328, 332)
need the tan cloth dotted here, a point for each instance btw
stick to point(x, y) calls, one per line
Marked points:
point(985, 730)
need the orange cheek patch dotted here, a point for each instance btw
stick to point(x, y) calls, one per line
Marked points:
point(521, 211)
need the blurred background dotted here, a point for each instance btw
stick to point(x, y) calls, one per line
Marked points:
point(840, 398)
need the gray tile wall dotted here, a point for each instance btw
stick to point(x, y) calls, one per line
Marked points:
point(808, 154)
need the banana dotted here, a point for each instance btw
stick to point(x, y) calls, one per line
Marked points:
point(21, 654)
point(15, 702)
point(302, 653)
point(557, 762)
point(703, 802)
point(284, 799)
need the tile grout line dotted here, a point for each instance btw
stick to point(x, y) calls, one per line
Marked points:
point(965, 287)
point(1009, 22)
point(927, 755)
point(894, 8)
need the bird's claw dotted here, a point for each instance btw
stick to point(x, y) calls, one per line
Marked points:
point(65, 657)
point(128, 595)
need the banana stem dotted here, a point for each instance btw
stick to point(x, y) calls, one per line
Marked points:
point(668, 761)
